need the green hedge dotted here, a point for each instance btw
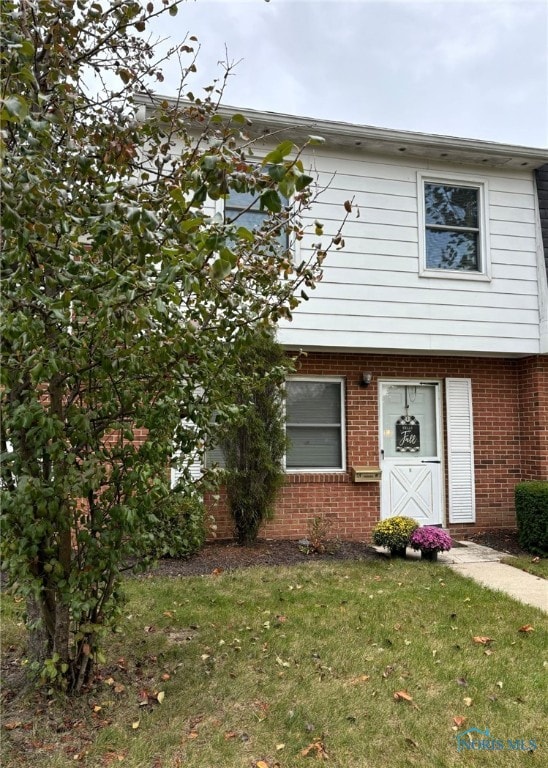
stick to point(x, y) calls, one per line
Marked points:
point(532, 515)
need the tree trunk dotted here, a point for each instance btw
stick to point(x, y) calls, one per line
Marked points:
point(39, 647)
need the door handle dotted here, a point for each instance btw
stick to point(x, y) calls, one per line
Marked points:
point(432, 461)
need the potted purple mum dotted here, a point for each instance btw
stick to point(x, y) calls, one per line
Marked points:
point(430, 541)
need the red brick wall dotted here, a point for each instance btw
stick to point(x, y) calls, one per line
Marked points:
point(533, 389)
point(508, 447)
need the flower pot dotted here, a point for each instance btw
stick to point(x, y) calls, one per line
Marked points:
point(429, 554)
point(398, 551)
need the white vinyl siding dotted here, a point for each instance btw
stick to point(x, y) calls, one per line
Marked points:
point(314, 411)
point(373, 295)
point(460, 451)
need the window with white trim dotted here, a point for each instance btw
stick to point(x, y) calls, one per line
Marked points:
point(454, 227)
point(315, 424)
point(244, 208)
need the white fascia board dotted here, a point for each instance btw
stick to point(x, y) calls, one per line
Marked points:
point(367, 138)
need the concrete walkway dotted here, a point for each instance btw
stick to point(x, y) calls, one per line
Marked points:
point(483, 565)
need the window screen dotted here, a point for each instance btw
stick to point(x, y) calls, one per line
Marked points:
point(452, 227)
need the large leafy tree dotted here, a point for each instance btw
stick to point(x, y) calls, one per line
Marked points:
point(124, 295)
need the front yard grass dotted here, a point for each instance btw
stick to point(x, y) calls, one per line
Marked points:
point(536, 565)
point(287, 666)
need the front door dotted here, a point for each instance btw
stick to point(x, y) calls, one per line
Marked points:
point(410, 443)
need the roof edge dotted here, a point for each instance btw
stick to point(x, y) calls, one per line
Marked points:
point(354, 135)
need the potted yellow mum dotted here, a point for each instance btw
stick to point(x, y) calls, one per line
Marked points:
point(394, 534)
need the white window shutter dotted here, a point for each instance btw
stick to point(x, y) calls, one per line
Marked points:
point(195, 471)
point(192, 462)
point(460, 450)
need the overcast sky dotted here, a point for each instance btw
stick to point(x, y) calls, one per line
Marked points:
point(471, 68)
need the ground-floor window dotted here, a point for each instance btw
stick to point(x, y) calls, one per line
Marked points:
point(315, 423)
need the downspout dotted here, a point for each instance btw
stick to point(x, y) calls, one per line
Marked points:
point(541, 226)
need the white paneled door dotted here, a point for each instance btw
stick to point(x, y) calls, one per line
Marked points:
point(411, 451)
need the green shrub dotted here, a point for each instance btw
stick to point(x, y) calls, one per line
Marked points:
point(532, 515)
point(254, 444)
point(181, 527)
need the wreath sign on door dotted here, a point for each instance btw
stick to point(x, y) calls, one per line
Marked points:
point(408, 433)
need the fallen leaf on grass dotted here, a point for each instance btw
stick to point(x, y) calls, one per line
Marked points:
point(315, 749)
point(411, 742)
point(230, 735)
point(402, 696)
point(112, 757)
point(193, 735)
point(405, 696)
point(481, 640)
point(135, 724)
point(217, 571)
point(261, 764)
point(467, 702)
point(526, 628)
point(11, 726)
point(462, 681)
point(279, 747)
point(359, 679)
point(459, 721)
point(119, 688)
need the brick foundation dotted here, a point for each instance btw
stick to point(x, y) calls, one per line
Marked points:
point(510, 405)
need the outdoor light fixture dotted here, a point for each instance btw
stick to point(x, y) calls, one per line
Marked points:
point(366, 379)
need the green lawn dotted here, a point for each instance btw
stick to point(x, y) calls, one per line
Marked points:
point(536, 565)
point(261, 666)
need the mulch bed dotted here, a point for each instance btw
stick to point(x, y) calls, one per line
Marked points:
point(501, 539)
point(217, 557)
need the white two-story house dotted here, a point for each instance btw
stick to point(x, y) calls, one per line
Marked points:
point(424, 387)
point(423, 390)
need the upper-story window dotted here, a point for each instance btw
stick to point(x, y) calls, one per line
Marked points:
point(245, 209)
point(454, 228)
